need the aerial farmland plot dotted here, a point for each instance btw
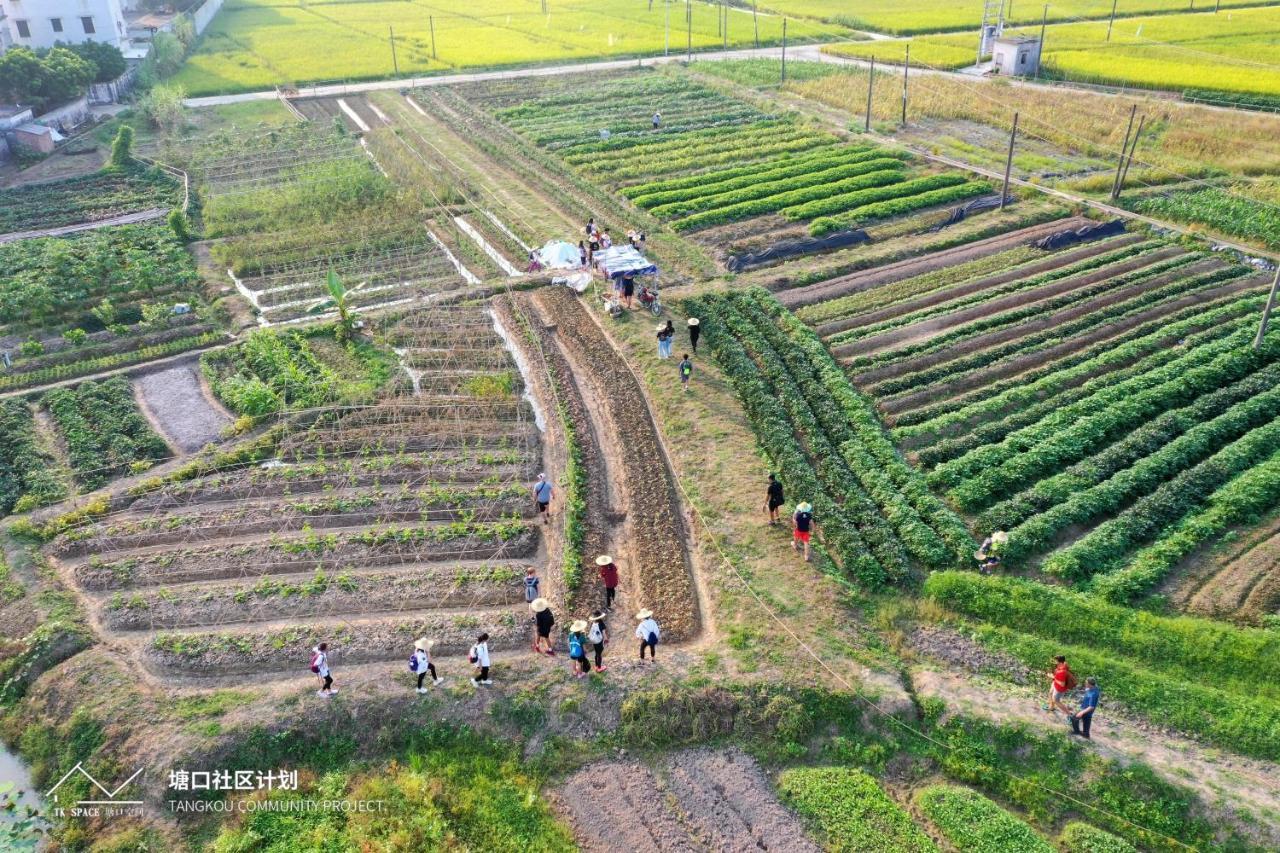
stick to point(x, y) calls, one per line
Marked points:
point(311, 415)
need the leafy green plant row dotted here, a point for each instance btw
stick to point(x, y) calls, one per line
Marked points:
point(1242, 660)
point(1241, 501)
point(1037, 342)
point(819, 174)
point(1132, 254)
point(1222, 209)
point(713, 184)
point(728, 142)
point(851, 811)
point(770, 423)
point(895, 207)
point(1015, 394)
point(693, 143)
point(599, 92)
point(776, 202)
point(1080, 837)
point(727, 115)
point(104, 432)
point(1245, 725)
point(100, 195)
point(538, 113)
point(27, 478)
point(1104, 547)
point(58, 372)
point(1138, 447)
point(930, 530)
point(970, 821)
point(864, 199)
point(1204, 368)
point(650, 167)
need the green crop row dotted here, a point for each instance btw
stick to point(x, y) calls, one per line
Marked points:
point(691, 143)
point(816, 176)
point(1017, 393)
point(104, 433)
point(27, 478)
point(730, 142)
point(58, 372)
point(1149, 392)
point(1240, 501)
point(1243, 660)
point(774, 203)
point(720, 116)
point(1245, 725)
point(896, 207)
point(1103, 548)
point(1138, 445)
point(780, 444)
point(659, 164)
point(931, 531)
point(972, 822)
point(1038, 533)
point(586, 151)
point(1080, 837)
point(796, 167)
point(851, 811)
point(860, 199)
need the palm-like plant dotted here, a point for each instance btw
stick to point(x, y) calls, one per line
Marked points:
point(339, 299)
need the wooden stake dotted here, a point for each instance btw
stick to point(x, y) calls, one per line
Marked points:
point(432, 21)
point(1008, 163)
point(755, 20)
point(906, 67)
point(1112, 19)
point(1129, 160)
point(871, 80)
point(1266, 312)
point(395, 64)
point(1123, 150)
point(784, 50)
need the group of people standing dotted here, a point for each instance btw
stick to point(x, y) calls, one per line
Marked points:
point(598, 238)
point(1061, 682)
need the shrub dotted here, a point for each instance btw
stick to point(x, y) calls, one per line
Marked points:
point(973, 823)
point(1080, 837)
point(122, 147)
point(180, 225)
point(851, 810)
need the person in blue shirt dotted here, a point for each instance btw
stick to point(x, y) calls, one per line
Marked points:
point(1081, 720)
point(542, 494)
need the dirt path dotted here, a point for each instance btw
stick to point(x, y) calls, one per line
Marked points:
point(176, 402)
point(122, 219)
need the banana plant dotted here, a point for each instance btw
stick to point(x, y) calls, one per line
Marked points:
point(339, 299)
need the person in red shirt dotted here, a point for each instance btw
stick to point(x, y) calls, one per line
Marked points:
point(608, 574)
point(1061, 681)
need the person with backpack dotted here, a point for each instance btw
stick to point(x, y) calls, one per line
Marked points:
point(578, 648)
point(774, 498)
point(543, 491)
point(1081, 720)
point(320, 666)
point(802, 523)
point(1061, 682)
point(421, 663)
point(598, 635)
point(543, 622)
point(694, 331)
point(479, 658)
point(531, 583)
point(609, 576)
point(686, 371)
point(648, 633)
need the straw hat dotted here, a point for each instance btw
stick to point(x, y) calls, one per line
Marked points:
point(539, 604)
point(804, 506)
point(999, 537)
point(644, 614)
point(598, 616)
point(604, 560)
point(423, 643)
point(693, 321)
point(661, 327)
point(578, 625)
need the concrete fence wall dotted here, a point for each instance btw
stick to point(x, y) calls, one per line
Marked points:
point(204, 14)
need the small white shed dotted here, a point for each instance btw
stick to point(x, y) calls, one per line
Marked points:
point(1016, 56)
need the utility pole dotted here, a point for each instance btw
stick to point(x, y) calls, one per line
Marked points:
point(755, 20)
point(1044, 19)
point(431, 19)
point(666, 32)
point(688, 21)
point(1266, 312)
point(1129, 160)
point(394, 63)
point(1008, 163)
point(726, 25)
point(784, 50)
point(906, 67)
point(1110, 22)
point(1123, 150)
point(871, 81)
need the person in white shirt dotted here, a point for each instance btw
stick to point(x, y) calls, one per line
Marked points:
point(648, 633)
point(320, 666)
point(422, 664)
point(480, 657)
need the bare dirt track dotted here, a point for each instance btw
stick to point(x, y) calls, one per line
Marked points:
point(177, 402)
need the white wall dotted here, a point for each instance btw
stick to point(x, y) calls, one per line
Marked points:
point(108, 21)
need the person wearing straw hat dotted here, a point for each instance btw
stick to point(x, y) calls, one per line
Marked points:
point(988, 553)
point(609, 575)
point(421, 662)
point(578, 648)
point(543, 622)
point(803, 524)
point(648, 633)
point(598, 634)
point(695, 329)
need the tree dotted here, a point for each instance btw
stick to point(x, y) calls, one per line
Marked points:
point(339, 299)
point(107, 58)
point(166, 53)
point(122, 147)
point(46, 80)
point(178, 222)
point(163, 107)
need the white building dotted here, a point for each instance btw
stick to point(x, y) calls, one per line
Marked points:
point(41, 23)
point(1016, 56)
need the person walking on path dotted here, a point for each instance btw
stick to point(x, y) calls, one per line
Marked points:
point(598, 634)
point(1061, 681)
point(320, 666)
point(802, 527)
point(664, 341)
point(531, 583)
point(695, 329)
point(543, 492)
point(686, 370)
point(609, 575)
point(479, 657)
point(657, 120)
point(773, 498)
point(648, 633)
point(421, 662)
point(1081, 720)
point(578, 648)
point(543, 622)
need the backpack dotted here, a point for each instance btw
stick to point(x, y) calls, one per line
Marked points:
point(575, 646)
point(653, 638)
point(473, 657)
point(1071, 680)
point(597, 635)
point(413, 663)
point(315, 662)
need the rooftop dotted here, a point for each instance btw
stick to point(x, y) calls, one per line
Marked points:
point(1017, 39)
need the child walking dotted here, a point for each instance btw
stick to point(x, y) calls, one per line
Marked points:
point(421, 662)
point(479, 657)
point(531, 583)
point(578, 648)
point(648, 633)
point(320, 666)
point(599, 636)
